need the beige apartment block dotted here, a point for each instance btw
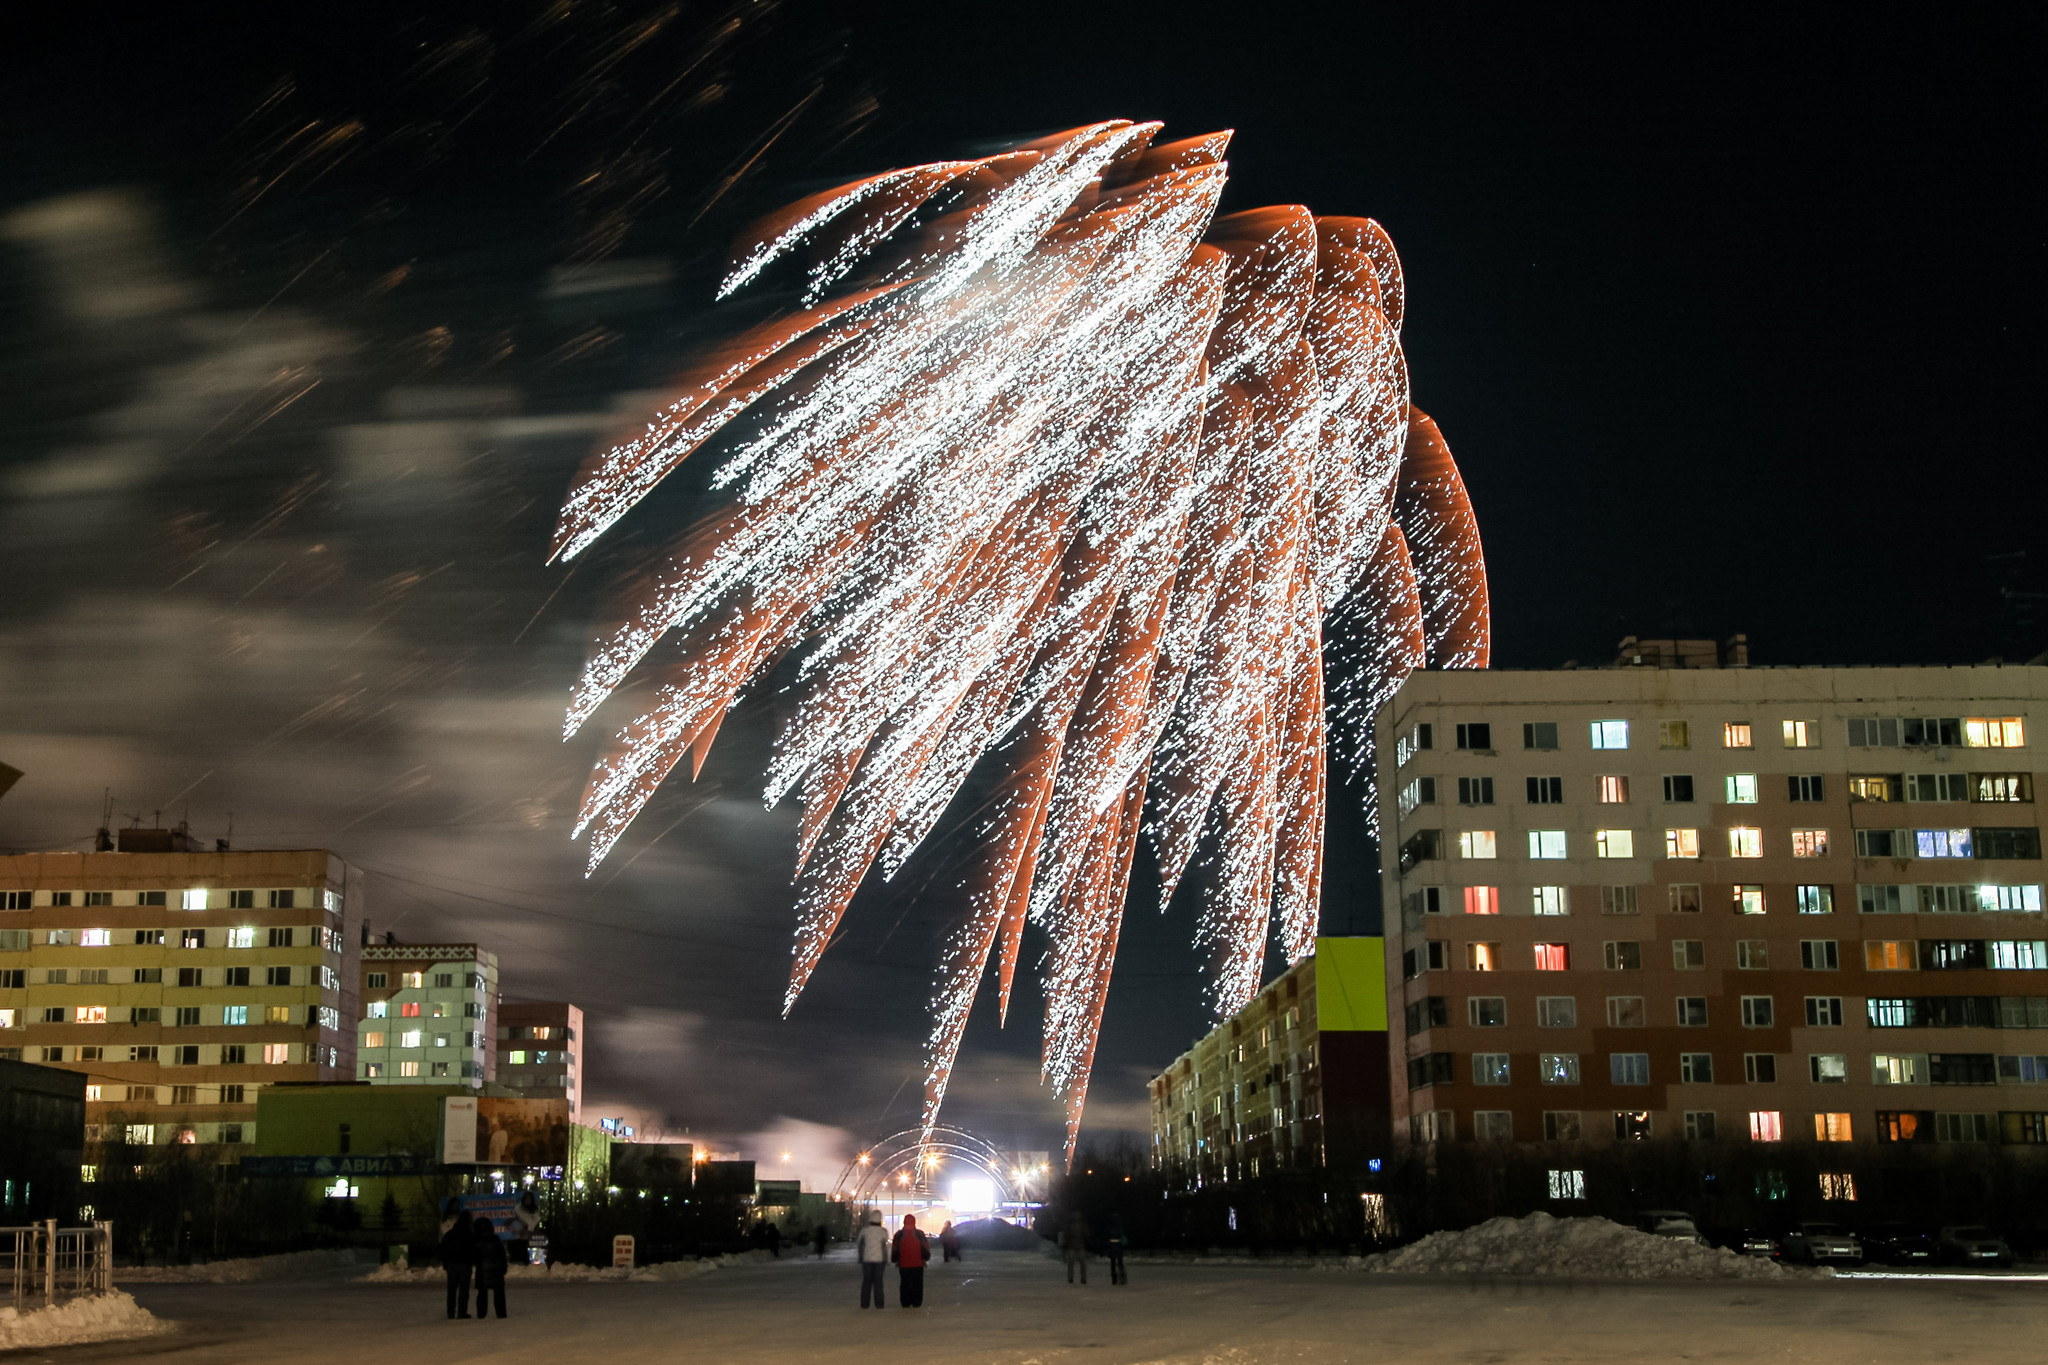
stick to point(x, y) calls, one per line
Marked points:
point(540, 1051)
point(180, 983)
point(1781, 904)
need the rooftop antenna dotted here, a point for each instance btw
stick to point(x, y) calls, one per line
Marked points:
point(103, 837)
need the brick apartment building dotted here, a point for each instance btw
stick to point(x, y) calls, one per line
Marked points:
point(180, 982)
point(540, 1051)
point(1682, 896)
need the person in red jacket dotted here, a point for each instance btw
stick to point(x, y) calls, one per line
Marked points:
point(910, 1252)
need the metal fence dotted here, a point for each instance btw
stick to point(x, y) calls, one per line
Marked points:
point(46, 1264)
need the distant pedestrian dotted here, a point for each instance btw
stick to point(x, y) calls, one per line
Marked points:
point(527, 1217)
point(1074, 1242)
point(949, 1242)
point(458, 1258)
point(773, 1236)
point(1115, 1246)
point(819, 1237)
point(910, 1252)
point(871, 1249)
point(491, 1262)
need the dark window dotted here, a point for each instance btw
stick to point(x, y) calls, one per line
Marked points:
point(1692, 1011)
point(1431, 1012)
point(1820, 955)
point(1539, 734)
point(235, 976)
point(241, 900)
point(1434, 1068)
point(1822, 1011)
point(185, 1055)
point(1931, 730)
point(1807, 788)
point(14, 979)
point(2021, 842)
point(281, 900)
point(191, 976)
point(1422, 846)
point(1962, 1068)
point(149, 976)
point(278, 976)
point(1678, 788)
point(1546, 791)
point(2023, 1128)
point(1760, 1068)
point(146, 898)
point(149, 937)
point(145, 1014)
point(1475, 791)
point(232, 1054)
point(280, 938)
point(188, 1016)
point(1478, 735)
point(342, 1139)
point(192, 938)
point(231, 1094)
point(19, 900)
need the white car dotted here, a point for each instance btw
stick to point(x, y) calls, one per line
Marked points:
point(1818, 1242)
point(1673, 1223)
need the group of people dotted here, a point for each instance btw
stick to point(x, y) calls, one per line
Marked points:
point(473, 1252)
point(910, 1249)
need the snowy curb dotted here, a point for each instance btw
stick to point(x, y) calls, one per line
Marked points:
point(666, 1272)
point(1578, 1248)
point(103, 1317)
point(239, 1271)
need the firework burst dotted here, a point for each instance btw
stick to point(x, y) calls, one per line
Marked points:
point(1059, 473)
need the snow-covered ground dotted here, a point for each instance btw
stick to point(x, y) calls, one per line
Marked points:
point(1578, 1248)
point(667, 1272)
point(240, 1270)
point(103, 1317)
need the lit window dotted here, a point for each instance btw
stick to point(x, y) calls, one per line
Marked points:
point(1681, 843)
point(277, 1014)
point(1766, 1125)
point(1610, 734)
point(1831, 1128)
point(1549, 900)
point(1744, 842)
point(1553, 957)
point(1828, 1068)
point(1671, 734)
point(1476, 843)
point(1873, 787)
point(1802, 734)
point(1565, 1184)
point(372, 1070)
point(1735, 735)
point(1615, 843)
point(1894, 1068)
point(411, 1038)
point(89, 1014)
point(1891, 955)
point(1815, 900)
point(194, 900)
point(2001, 787)
point(95, 938)
point(1809, 843)
point(1546, 843)
point(1631, 1125)
point(412, 980)
point(409, 1009)
point(1482, 957)
point(377, 1040)
point(517, 1058)
point(242, 938)
point(2009, 733)
point(1482, 900)
point(408, 1068)
point(376, 1008)
point(1747, 900)
point(1613, 790)
point(277, 1054)
point(1558, 1068)
point(1941, 843)
point(1742, 789)
point(1833, 1186)
point(2009, 898)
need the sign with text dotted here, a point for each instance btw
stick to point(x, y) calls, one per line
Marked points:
point(328, 1167)
point(622, 1252)
point(459, 1130)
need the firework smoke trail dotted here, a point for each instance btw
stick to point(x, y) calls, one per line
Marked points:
point(1069, 480)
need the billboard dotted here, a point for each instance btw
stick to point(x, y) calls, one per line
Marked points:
point(513, 1132)
point(458, 1130)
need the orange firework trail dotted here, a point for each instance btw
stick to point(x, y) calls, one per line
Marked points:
point(1056, 471)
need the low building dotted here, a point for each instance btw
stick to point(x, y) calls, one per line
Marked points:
point(427, 1014)
point(540, 1051)
point(179, 982)
point(1297, 1078)
point(1683, 897)
point(42, 1143)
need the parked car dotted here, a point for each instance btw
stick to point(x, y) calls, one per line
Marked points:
point(1898, 1244)
point(1673, 1223)
point(1818, 1242)
point(1972, 1245)
point(1755, 1242)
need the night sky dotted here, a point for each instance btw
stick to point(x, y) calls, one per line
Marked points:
point(1734, 321)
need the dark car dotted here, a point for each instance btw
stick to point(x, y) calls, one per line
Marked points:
point(1972, 1245)
point(1898, 1244)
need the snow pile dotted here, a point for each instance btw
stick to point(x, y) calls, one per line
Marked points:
point(241, 1270)
point(1592, 1248)
point(102, 1317)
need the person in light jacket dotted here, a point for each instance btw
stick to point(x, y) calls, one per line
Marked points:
point(871, 1249)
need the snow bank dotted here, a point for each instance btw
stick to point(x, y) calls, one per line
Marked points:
point(103, 1317)
point(239, 1271)
point(1590, 1248)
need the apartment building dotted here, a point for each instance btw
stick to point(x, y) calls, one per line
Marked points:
point(180, 982)
point(1677, 898)
point(540, 1051)
point(427, 1014)
point(1298, 1077)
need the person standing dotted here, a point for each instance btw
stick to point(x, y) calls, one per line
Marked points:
point(819, 1237)
point(949, 1242)
point(910, 1253)
point(491, 1262)
point(458, 1258)
point(1115, 1246)
point(871, 1249)
point(772, 1234)
point(1074, 1242)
